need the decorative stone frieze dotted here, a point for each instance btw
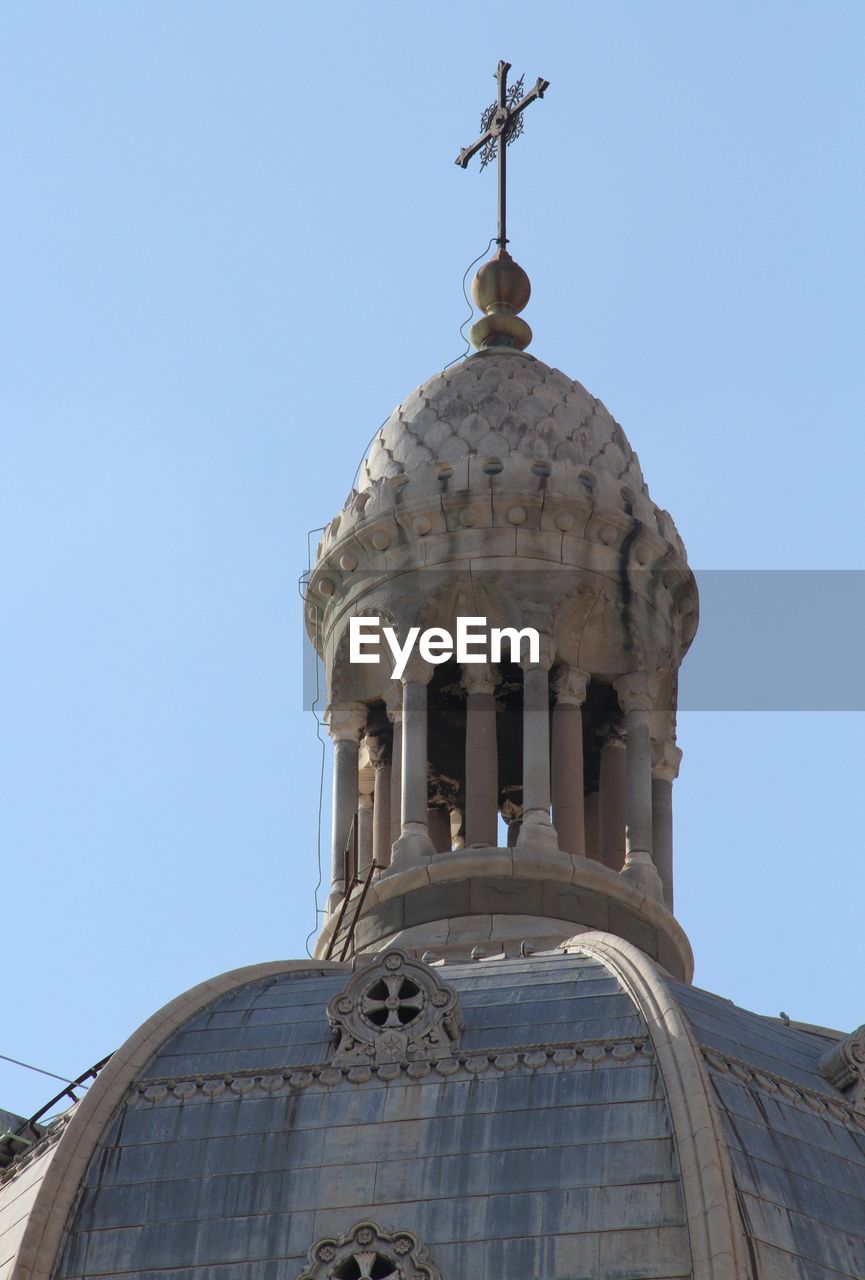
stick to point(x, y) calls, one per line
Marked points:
point(395, 1009)
point(610, 1052)
point(369, 1252)
point(844, 1066)
point(789, 1091)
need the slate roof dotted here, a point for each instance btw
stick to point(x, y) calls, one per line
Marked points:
point(545, 1149)
point(526, 1168)
point(798, 1153)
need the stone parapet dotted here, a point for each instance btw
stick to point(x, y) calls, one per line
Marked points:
point(500, 898)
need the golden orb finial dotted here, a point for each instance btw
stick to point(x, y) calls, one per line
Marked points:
point(501, 290)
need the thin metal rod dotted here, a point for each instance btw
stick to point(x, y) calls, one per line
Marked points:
point(30, 1124)
point(349, 886)
point(374, 866)
point(502, 238)
point(503, 69)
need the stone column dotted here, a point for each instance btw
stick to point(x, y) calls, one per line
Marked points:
point(567, 759)
point(414, 845)
point(379, 754)
point(345, 721)
point(611, 800)
point(393, 704)
point(666, 757)
point(482, 758)
point(364, 833)
point(591, 825)
point(537, 831)
point(636, 698)
point(439, 825)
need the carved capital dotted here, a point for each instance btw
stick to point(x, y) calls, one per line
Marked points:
point(479, 677)
point(393, 701)
point(346, 720)
point(612, 735)
point(844, 1066)
point(546, 654)
point(417, 671)
point(379, 748)
point(666, 758)
point(636, 691)
point(570, 685)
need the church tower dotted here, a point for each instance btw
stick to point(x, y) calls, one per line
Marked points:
point(496, 1064)
point(510, 803)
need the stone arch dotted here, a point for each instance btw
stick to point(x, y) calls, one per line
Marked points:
point(591, 631)
point(43, 1237)
point(476, 594)
point(719, 1250)
point(361, 682)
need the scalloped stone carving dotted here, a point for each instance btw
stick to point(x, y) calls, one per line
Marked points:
point(393, 1010)
point(844, 1066)
point(367, 1252)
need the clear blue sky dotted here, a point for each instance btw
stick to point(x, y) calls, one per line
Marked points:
point(233, 237)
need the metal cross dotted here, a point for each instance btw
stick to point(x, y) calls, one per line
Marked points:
point(502, 124)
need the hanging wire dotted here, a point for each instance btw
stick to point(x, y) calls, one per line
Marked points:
point(301, 586)
point(40, 1070)
point(304, 577)
point(468, 346)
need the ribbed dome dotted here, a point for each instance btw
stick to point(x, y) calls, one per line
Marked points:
point(500, 403)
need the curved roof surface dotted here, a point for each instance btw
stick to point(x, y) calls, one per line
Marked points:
point(499, 403)
point(546, 1147)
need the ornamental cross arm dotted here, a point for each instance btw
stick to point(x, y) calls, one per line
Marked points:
point(502, 124)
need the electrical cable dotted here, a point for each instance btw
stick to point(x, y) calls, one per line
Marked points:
point(463, 354)
point(40, 1070)
point(301, 584)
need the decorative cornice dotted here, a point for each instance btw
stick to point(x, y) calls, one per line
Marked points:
point(617, 1051)
point(778, 1086)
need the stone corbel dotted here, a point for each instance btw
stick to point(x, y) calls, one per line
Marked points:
point(844, 1066)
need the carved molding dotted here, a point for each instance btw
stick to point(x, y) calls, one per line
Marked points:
point(587, 1055)
point(783, 1088)
point(395, 1008)
point(368, 1252)
point(844, 1066)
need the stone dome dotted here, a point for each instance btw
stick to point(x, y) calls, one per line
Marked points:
point(579, 1114)
point(496, 403)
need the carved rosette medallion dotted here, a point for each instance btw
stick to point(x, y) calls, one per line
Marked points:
point(392, 1010)
point(367, 1252)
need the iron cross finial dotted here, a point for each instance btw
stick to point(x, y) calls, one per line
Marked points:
point(502, 124)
